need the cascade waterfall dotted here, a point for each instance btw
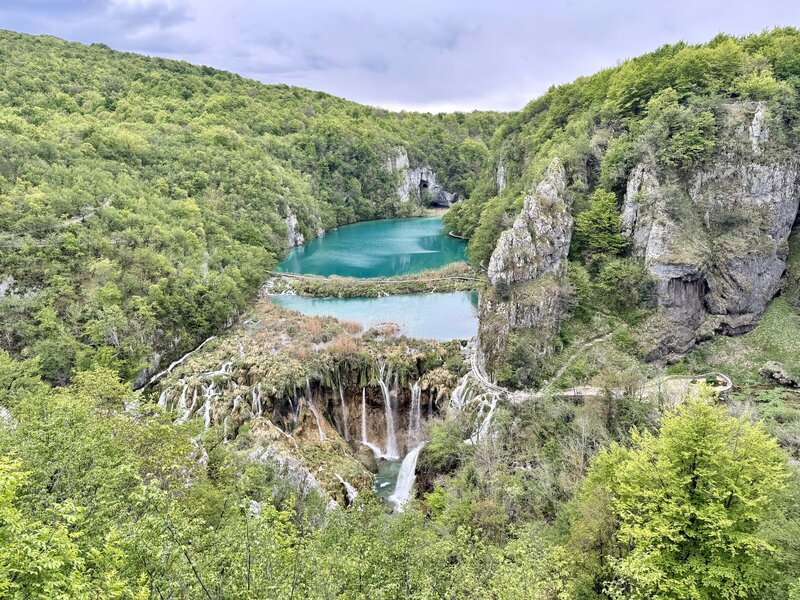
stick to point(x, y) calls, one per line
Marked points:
point(414, 421)
point(391, 434)
point(209, 393)
point(352, 493)
point(406, 478)
point(375, 450)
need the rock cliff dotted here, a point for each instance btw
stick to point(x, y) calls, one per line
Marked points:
point(418, 184)
point(527, 270)
point(715, 239)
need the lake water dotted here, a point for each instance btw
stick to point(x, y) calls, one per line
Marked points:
point(428, 316)
point(377, 249)
point(383, 249)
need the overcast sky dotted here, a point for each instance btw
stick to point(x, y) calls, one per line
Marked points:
point(411, 54)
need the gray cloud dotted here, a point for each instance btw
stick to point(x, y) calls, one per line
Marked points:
point(418, 54)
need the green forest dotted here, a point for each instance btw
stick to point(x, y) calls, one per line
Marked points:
point(143, 202)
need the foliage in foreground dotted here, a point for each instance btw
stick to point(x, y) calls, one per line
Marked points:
point(99, 502)
point(685, 513)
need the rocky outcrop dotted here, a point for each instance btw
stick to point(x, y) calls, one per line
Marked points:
point(538, 242)
point(296, 238)
point(527, 270)
point(418, 184)
point(777, 373)
point(715, 239)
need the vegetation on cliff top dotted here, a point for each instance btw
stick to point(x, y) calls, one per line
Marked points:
point(666, 102)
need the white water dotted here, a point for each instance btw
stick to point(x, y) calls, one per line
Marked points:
point(255, 407)
point(210, 393)
point(182, 401)
point(345, 413)
point(375, 450)
point(391, 434)
point(168, 370)
point(352, 493)
point(457, 399)
point(190, 409)
point(406, 478)
point(415, 418)
point(314, 410)
point(481, 432)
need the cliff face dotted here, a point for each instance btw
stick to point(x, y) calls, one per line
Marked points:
point(418, 184)
point(527, 270)
point(716, 239)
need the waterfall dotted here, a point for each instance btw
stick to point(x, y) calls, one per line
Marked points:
point(352, 493)
point(182, 401)
point(391, 435)
point(209, 394)
point(405, 479)
point(375, 450)
point(415, 417)
point(481, 432)
point(188, 410)
point(314, 410)
point(345, 413)
point(168, 370)
point(256, 408)
point(458, 396)
point(162, 398)
point(225, 429)
point(225, 369)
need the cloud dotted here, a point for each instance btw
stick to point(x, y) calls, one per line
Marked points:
point(149, 26)
point(418, 54)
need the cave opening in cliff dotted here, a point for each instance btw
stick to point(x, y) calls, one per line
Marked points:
point(423, 185)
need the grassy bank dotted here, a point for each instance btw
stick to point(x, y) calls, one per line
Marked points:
point(456, 277)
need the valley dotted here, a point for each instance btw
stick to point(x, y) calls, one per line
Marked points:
point(257, 341)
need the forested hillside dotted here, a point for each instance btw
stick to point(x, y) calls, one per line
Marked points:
point(142, 200)
point(679, 170)
point(668, 102)
point(625, 425)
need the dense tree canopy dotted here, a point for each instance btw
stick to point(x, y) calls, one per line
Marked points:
point(142, 200)
point(685, 513)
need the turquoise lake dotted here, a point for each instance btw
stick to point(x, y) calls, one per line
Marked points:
point(427, 316)
point(377, 249)
point(383, 249)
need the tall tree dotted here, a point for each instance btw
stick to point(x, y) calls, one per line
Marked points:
point(597, 230)
point(687, 508)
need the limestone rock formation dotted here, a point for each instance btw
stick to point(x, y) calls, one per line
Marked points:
point(296, 238)
point(777, 373)
point(715, 239)
point(538, 242)
point(527, 270)
point(418, 184)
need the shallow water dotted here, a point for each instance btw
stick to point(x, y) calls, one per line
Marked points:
point(450, 316)
point(377, 249)
point(386, 479)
